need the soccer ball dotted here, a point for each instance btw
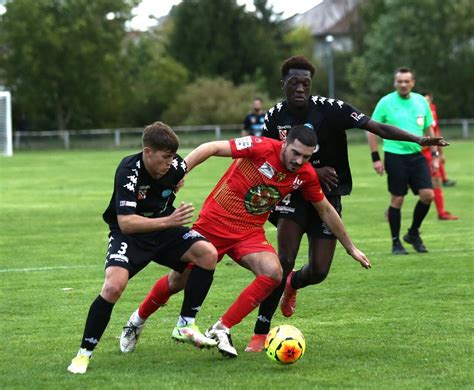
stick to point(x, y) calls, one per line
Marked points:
point(285, 344)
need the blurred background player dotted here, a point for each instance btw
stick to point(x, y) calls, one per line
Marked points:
point(253, 122)
point(294, 216)
point(233, 215)
point(144, 227)
point(437, 132)
point(405, 164)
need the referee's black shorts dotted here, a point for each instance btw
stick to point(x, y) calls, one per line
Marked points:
point(407, 170)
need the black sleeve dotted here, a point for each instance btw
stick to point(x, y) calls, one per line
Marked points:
point(343, 116)
point(270, 129)
point(126, 179)
point(180, 166)
point(246, 125)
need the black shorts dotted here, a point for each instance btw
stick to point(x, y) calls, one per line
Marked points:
point(407, 170)
point(294, 207)
point(166, 247)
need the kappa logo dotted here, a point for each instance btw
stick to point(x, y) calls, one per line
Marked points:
point(297, 183)
point(267, 170)
point(91, 340)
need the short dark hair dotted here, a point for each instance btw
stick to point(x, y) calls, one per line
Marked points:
point(159, 136)
point(296, 62)
point(302, 133)
point(404, 69)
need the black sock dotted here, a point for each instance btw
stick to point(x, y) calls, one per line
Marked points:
point(419, 214)
point(394, 220)
point(97, 320)
point(267, 309)
point(196, 290)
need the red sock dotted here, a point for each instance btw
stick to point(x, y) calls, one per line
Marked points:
point(249, 299)
point(439, 200)
point(158, 296)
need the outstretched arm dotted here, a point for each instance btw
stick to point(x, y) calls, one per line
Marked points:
point(206, 150)
point(392, 132)
point(332, 219)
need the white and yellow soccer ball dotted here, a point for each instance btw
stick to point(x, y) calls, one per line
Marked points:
point(285, 344)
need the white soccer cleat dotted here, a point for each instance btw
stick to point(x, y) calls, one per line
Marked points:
point(79, 364)
point(192, 334)
point(221, 334)
point(129, 336)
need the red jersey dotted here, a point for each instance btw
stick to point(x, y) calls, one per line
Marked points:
point(255, 182)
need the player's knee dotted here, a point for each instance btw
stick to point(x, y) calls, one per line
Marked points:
point(111, 292)
point(427, 196)
point(206, 257)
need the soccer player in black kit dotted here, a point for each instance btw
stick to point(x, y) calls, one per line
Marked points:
point(329, 118)
point(144, 227)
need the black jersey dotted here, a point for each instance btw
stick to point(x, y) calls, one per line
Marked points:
point(253, 123)
point(136, 192)
point(329, 119)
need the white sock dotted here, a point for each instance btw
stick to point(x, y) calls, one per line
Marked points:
point(136, 319)
point(182, 321)
point(83, 351)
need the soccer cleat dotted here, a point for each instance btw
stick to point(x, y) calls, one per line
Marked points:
point(447, 216)
point(129, 336)
point(224, 341)
point(449, 183)
point(256, 343)
point(192, 334)
point(79, 364)
point(397, 248)
point(288, 299)
point(416, 241)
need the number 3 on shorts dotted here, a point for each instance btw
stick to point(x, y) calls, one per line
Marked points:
point(123, 248)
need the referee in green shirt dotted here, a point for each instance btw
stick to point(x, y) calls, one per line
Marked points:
point(405, 164)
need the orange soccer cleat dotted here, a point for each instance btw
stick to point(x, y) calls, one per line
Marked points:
point(256, 343)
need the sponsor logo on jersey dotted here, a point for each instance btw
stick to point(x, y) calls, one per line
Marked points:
point(192, 234)
point(420, 120)
point(267, 170)
point(166, 193)
point(357, 117)
point(261, 199)
point(142, 190)
point(126, 203)
point(243, 143)
point(297, 183)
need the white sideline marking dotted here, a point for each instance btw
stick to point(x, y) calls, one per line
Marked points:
point(3, 270)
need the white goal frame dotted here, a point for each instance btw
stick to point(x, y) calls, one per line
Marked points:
point(6, 143)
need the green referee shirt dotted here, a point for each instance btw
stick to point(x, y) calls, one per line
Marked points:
point(412, 115)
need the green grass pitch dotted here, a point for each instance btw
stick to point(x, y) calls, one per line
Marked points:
point(406, 323)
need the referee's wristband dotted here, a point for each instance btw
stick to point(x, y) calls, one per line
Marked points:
point(375, 156)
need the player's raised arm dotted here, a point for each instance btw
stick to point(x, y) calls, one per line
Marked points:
point(206, 150)
point(331, 218)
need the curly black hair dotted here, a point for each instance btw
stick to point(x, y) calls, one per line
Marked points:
point(296, 62)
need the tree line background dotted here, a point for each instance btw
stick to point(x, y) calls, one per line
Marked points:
point(68, 66)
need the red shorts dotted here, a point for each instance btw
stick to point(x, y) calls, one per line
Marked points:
point(236, 246)
point(427, 153)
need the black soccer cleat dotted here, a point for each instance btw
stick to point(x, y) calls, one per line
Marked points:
point(415, 241)
point(398, 249)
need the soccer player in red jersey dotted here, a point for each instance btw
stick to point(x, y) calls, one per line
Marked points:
point(233, 215)
point(438, 176)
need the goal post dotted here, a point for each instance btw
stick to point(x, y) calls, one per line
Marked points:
point(6, 145)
